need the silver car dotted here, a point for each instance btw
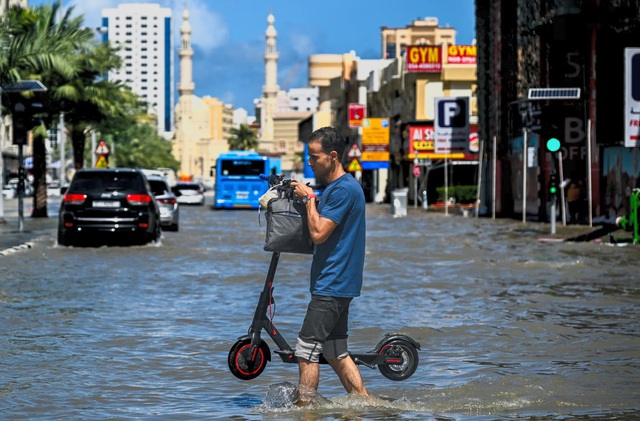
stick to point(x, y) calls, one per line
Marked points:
point(189, 193)
point(169, 209)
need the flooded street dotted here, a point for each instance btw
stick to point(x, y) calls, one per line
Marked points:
point(510, 327)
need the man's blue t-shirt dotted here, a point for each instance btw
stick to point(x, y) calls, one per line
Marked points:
point(338, 263)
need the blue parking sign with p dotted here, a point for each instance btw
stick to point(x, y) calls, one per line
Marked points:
point(452, 113)
point(451, 125)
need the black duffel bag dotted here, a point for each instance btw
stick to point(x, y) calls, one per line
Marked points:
point(287, 226)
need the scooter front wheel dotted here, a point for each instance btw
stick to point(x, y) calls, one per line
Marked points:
point(405, 367)
point(247, 365)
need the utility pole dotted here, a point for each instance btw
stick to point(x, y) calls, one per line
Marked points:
point(1, 160)
point(62, 139)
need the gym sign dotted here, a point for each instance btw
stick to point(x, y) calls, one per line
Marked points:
point(424, 58)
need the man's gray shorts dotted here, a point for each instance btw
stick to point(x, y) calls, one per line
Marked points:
point(324, 329)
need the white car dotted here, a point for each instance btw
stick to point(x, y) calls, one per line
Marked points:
point(189, 193)
point(9, 191)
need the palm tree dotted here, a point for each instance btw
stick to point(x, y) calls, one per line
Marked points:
point(67, 58)
point(243, 139)
point(33, 46)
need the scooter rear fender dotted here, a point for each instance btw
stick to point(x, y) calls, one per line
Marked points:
point(392, 337)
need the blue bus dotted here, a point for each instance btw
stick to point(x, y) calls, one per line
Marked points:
point(238, 183)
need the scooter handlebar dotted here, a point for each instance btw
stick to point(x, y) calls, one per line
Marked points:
point(272, 179)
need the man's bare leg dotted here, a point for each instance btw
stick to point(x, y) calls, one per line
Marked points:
point(308, 381)
point(349, 375)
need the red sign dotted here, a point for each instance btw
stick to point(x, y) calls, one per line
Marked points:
point(421, 143)
point(461, 54)
point(354, 152)
point(424, 58)
point(421, 139)
point(357, 113)
point(102, 148)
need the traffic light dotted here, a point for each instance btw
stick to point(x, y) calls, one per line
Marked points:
point(23, 113)
point(553, 145)
point(553, 184)
point(535, 119)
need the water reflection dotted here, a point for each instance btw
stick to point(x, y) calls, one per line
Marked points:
point(510, 326)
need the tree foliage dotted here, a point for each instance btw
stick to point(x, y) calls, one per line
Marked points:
point(243, 139)
point(140, 146)
point(68, 59)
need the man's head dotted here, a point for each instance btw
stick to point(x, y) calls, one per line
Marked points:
point(326, 147)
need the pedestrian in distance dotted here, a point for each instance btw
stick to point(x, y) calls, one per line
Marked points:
point(337, 228)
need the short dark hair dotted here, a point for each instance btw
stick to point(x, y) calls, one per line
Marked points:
point(330, 139)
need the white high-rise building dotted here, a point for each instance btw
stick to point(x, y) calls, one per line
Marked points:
point(144, 31)
point(6, 4)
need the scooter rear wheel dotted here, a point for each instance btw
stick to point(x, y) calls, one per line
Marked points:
point(245, 366)
point(404, 370)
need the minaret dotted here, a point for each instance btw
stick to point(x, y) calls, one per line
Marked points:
point(271, 88)
point(186, 85)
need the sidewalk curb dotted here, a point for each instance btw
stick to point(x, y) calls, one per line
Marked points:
point(15, 249)
point(25, 246)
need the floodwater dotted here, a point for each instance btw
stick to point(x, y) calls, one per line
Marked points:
point(510, 327)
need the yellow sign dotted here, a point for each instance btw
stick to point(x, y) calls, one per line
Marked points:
point(375, 156)
point(375, 131)
point(431, 155)
point(354, 166)
point(102, 162)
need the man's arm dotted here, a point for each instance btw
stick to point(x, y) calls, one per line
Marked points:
point(319, 228)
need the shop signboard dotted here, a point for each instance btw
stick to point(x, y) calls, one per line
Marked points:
point(424, 58)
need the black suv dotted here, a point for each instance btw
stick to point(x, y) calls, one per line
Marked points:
point(108, 204)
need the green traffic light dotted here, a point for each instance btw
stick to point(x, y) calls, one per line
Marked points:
point(553, 190)
point(553, 145)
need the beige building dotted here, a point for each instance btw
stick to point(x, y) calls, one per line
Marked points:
point(389, 90)
point(202, 125)
point(221, 118)
point(420, 32)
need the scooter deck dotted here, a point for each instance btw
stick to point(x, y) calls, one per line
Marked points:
point(369, 359)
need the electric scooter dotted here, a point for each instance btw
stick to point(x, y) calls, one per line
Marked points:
point(396, 355)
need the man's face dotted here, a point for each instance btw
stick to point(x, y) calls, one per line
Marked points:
point(320, 162)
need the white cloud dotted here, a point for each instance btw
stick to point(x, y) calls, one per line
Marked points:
point(209, 29)
point(301, 44)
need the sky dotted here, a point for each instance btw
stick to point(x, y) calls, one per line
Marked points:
point(229, 43)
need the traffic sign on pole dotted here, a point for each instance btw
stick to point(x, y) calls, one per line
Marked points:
point(354, 166)
point(102, 148)
point(451, 125)
point(354, 151)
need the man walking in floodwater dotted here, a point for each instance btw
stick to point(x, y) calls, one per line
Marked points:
point(337, 228)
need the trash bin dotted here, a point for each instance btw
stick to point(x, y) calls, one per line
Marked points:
point(399, 202)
